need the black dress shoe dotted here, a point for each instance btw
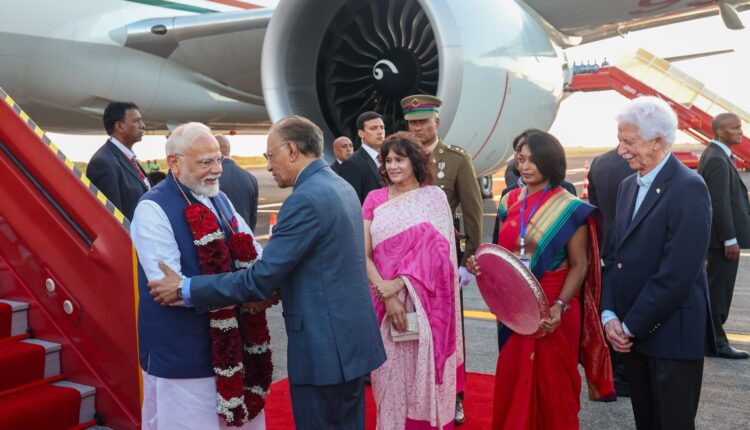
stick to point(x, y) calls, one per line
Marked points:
point(736, 354)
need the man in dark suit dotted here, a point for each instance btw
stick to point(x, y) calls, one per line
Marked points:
point(114, 169)
point(238, 184)
point(342, 150)
point(605, 175)
point(316, 258)
point(730, 228)
point(361, 169)
point(655, 295)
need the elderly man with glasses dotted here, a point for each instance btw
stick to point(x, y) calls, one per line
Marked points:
point(179, 351)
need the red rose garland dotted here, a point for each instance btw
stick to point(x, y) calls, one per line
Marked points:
point(240, 350)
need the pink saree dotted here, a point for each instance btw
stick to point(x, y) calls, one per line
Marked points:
point(413, 237)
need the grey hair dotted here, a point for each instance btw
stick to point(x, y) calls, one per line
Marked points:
point(184, 135)
point(653, 117)
point(304, 133)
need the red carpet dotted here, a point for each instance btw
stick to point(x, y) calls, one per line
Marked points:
point(52, 408)
point(22, 363)
point(5, 318)
point(478, 405)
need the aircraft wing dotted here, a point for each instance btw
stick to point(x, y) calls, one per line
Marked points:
point(224, 46)
point(581, 21)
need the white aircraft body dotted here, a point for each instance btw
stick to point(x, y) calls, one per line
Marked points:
point(499, 65)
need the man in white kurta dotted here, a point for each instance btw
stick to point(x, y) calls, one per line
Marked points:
point(195, 160)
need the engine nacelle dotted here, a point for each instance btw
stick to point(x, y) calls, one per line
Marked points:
point(491, 63)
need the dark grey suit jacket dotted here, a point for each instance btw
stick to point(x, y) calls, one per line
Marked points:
point(361, 172)
point(316, 259)
point(111, 172)
point(607, 172)
point(242, 189)
point(335, 166)
point(731, 208)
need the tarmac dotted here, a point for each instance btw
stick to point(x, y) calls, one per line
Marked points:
point(726, 383)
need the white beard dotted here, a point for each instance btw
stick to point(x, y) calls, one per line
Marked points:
point(207, 190)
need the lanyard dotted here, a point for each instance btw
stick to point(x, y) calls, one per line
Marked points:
point(525, 222)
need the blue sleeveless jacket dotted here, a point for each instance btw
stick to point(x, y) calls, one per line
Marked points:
point(174, 341)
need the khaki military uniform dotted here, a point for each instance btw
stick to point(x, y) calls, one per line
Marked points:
point(454, 174)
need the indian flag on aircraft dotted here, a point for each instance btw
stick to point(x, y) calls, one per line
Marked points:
point(209, 6)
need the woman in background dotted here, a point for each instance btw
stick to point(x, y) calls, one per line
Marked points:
point(411, 261)
point(537, 385)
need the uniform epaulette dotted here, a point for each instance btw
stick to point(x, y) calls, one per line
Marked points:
point(456, 149)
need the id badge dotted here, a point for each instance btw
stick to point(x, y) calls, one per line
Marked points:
point(525, 260)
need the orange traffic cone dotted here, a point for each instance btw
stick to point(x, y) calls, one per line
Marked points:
point(271, 224)
point(585, 194)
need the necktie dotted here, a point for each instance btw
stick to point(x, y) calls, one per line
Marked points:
point(137, 168)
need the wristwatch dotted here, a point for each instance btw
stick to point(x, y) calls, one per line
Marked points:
point(563, 305)
point(179, 288)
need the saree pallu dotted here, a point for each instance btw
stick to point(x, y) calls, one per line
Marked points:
point(413, 237)
point(537, 383)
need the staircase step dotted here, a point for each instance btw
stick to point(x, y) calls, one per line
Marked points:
point(52, 356)
point(88, 395)
point(19, 321)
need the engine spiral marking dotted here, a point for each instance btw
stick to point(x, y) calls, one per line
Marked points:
point(378, 73)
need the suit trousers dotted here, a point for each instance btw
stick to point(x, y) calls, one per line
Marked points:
point(722, 274)
point(329, 407)
point(664, 393)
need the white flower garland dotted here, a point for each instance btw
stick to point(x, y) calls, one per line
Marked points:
point(258, 349)
point(229, 372)
point(257, 389)
point(225, 407)
point(218, 234)
point(225, 324)
point(243, 264)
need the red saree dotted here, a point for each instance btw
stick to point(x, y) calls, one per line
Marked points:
point(537, 384)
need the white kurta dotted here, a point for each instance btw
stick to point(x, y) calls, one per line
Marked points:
point(176, 403)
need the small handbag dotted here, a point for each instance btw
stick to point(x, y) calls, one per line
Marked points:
point(412, 329)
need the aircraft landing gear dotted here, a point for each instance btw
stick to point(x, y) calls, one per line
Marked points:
point(485, 186)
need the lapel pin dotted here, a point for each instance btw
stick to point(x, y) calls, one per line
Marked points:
point(658, 190)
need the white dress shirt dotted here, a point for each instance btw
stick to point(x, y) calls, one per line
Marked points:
point(372, 153)
point(128, 153)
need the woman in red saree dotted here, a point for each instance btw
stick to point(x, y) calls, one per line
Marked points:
point(537, 385)
point(411, 261)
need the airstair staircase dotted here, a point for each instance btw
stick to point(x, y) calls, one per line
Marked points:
point(68, 343)
point(646, 74)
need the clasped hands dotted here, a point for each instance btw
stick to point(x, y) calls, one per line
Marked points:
point(164, 292)
point(386, 291)
point(617, 337)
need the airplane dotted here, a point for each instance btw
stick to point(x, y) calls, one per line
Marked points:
point(500, 66)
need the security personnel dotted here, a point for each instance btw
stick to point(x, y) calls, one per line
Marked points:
point(454, 173)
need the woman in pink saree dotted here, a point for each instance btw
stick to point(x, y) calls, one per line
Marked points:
point(411, 265)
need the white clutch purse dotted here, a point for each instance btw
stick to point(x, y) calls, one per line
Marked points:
point(412, 329)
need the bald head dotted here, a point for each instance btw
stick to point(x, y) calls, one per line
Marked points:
point(727, 128)
point(342, 148)
point(224, 145)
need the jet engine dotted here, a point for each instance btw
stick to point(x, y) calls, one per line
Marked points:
point(492, 63)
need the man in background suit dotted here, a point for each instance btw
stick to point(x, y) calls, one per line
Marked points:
point(316, 257)
point(730, 227)
point(238, 184)
point(605, 175)
point(114, 169)
point(655, 295)
point(342, 150)
point(361, 169)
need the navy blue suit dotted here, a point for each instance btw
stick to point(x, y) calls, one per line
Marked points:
point(316, 259)
point(242, 189)
point(656, 285)
point(111, 172)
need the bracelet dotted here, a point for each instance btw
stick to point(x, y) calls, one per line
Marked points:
point(561, 302)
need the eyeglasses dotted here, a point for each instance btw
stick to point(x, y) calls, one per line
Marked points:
point(269, 156)
point(206, 162)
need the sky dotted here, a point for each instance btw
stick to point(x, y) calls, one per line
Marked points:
point(584, 119)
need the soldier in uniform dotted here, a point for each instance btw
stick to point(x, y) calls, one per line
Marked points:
point(454, 173)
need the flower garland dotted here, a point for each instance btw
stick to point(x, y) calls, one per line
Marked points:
point(240, 339)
